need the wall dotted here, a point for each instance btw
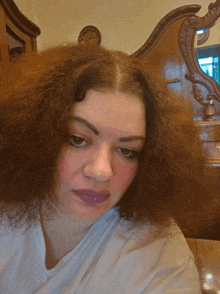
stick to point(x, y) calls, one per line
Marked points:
point(124, 25)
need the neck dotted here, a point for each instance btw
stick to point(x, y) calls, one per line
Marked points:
point(54, 218)
point(61, 233)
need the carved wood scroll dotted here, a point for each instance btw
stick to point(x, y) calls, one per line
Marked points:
point(187, 34)
point(162, 26)
point(203, 37)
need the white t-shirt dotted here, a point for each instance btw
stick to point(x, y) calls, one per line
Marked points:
point(109, 259)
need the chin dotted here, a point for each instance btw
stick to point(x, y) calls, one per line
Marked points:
point(83, 210)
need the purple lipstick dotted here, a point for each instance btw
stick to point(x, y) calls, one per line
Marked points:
point(91, 196)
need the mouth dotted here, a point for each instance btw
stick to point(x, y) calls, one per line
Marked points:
point(91, 197)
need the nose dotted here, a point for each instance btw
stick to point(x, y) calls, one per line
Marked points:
point(99, 165)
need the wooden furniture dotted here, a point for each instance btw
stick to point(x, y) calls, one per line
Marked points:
point(170, 50)
point(17, 33)
point(89, 35)
point(207, 260)
point(162, 51)
point(210, 135)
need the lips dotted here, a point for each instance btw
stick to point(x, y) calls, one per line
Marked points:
point(91, 196)
point(93, 193)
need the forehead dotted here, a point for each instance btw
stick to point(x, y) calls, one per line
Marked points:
point(113, 110)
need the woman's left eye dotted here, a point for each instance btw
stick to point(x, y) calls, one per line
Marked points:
point(129, 153)
point(78, 142)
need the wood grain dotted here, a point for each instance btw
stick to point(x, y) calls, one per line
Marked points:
point(207, 260)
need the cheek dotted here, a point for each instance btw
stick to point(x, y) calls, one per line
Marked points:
point(68, 166)
point(125, 175)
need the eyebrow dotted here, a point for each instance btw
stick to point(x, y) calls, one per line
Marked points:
point(96, 132)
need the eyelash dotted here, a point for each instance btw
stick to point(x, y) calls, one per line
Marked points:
point(133, 156)
point(77, 137)
point(133, 153)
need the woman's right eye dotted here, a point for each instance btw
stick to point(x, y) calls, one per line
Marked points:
point(78, 142)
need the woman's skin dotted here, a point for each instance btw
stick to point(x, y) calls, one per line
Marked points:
point(107, 131)
point(97, 159)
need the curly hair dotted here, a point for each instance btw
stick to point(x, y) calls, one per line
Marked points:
point(37, 96)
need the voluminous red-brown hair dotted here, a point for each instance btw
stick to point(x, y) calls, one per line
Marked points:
point(37, 96)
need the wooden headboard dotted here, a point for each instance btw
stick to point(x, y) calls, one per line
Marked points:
point(17, 33)
point(170, 50)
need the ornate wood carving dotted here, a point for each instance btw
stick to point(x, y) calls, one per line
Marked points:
point(21, 21)
point(90, 35)
point(165, 22)
point(202, 38)
point(187, 34)
point(17, 33)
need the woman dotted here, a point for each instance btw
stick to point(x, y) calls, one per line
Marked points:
point(97, 161)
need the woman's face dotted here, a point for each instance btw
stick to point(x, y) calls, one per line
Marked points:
point(107, 131)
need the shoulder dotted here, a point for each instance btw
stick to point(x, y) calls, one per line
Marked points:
point(146, 239)
point(158, 264)
point(10, 237)
point(12, 240)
